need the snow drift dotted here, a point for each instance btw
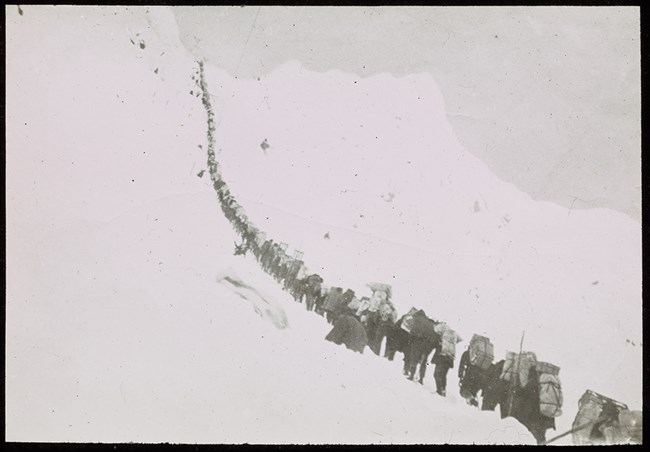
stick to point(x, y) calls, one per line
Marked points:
point(265, 307)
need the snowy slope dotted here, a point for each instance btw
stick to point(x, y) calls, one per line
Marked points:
point(146, 346)
point(374, 163)
point(117, 329)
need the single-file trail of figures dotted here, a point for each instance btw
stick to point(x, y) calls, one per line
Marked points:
point(523, 387)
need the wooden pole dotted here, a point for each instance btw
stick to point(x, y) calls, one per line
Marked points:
point(573, 430)
point(514, 381)
point(601, 418)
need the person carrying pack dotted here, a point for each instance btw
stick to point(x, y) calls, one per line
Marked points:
point(449, 340)
point(333, 304)
point(469, 378)
point(312, 290)
point(474, 364)
point(481, 352)
point(444, 356)
point(596, 419)
point(387, 319)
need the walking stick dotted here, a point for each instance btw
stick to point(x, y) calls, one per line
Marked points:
point(573, 430)
point(514, 382)
point(577, 429)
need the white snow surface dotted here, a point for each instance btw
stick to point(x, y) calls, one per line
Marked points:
point(117, 329)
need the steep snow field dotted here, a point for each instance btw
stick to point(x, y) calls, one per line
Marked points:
point(140, 343)
point(117, 329)
point(374, 163)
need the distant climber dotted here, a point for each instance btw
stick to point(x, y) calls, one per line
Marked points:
point(241, 249)
point(444, 356)
point(312, 290)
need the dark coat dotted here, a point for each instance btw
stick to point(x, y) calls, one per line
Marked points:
point(525, 408)
point(469, 376)
point(423, 327)
point(349, 331)
point(334, 302)
point(523, 405)
point(440, 359)
point(397, 340)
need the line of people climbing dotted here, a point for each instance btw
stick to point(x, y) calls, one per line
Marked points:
point(524, 388)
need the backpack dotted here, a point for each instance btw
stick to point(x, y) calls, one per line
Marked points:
point(387, 312)
point(382, 287)
point(440, 328)
point(423, 327)
point(448, 343)
point(518, 362)
point(550, 395)
point(547, 368)
point(408, 320)
point(590, 407)
point(481, 352)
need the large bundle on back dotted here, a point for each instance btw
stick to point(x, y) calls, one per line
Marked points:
point(449, 339)
point(481, 352)
point(354, 304)
point(381, 287)
point(517, 367)
point(407, 320)
point(387, 312)
point(376, 299)
point(590, 411)
point(381, 301)
point(448, 343)
point(423, 327)
point(550, 389)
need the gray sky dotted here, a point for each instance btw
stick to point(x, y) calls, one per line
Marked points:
point(548, 97)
